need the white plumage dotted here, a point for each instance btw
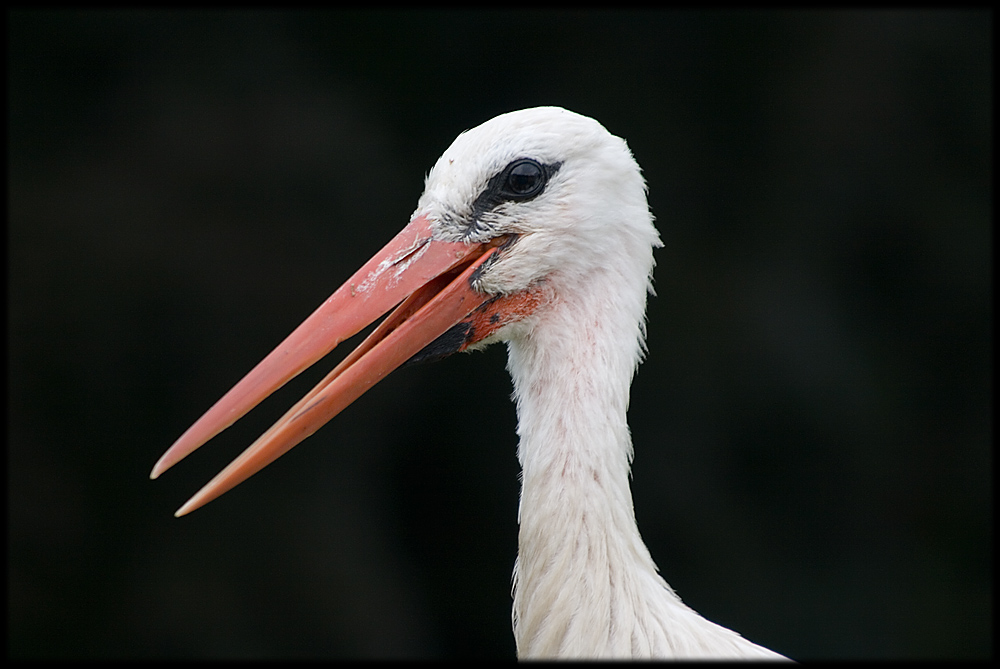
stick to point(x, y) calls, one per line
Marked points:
point(559, 206)
point(585, 584)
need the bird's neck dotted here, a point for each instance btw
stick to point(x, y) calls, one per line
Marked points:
point(580, 554)
point(585, 584)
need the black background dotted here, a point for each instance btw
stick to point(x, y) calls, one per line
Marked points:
point(812, 425)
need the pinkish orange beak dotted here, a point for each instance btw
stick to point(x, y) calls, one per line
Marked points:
point(431, 281)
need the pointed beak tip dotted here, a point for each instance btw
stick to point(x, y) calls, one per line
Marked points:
point(185, 509)
point(158, 469)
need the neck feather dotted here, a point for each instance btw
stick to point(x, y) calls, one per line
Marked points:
point(581, 560)
point(585, 584)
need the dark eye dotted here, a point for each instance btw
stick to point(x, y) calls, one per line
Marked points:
point(521, 180)
point(525, 178)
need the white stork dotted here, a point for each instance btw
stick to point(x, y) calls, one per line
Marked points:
point(533, 229)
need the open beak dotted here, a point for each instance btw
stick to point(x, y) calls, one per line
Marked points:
point(431, 281)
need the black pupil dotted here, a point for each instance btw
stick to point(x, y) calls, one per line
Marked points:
point(524, 177)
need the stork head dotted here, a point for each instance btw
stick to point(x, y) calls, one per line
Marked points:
point(518, 212)
point(566, 192)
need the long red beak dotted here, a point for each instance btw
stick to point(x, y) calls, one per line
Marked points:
point(432, 279)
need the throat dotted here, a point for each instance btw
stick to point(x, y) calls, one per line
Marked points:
point(582, 566)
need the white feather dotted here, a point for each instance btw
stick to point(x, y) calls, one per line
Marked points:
point(585, 584)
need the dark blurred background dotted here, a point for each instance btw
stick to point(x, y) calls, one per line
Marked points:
point(812, 425)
